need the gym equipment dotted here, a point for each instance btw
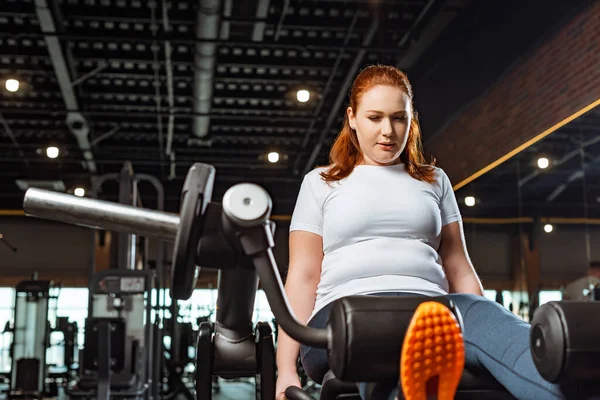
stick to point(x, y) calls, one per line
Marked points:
point(236, 237)
point(69, 332)
point(230, 348)
point(118, 336)
point(126, 252)
point(31, 331)
point(565, 346)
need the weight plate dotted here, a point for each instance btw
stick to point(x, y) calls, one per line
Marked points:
point(195, 196)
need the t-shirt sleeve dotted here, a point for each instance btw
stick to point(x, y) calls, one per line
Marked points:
point(308, 212)
point(448, 204)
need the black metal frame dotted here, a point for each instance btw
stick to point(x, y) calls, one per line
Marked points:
point(33, 290)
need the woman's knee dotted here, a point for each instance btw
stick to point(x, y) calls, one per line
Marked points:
point(472, 305)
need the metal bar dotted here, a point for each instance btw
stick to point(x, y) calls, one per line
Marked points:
point(153, 163)
point(156, 68)
point(137, 114)
point(179, 40)
point(89, 74)
point(100, 214)
point(286, 5)
point(220, 78)
point(571, 178)
point(50, 22)
point(564, 159)
point(105, 136)
point(12, 137)
point(260, 22)
point(266, 267)
point(170, 89)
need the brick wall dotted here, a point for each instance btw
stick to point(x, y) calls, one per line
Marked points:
point(558, 78)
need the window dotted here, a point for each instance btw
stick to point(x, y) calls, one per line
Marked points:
point(6, 316)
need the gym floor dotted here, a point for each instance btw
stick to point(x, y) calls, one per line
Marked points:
point(234, 391)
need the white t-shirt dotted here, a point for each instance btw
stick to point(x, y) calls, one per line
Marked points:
point(381, 230)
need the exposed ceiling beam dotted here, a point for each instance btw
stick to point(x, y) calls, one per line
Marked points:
point(13, 139)
point(262, 11)
point(572, 177)
point(242, 114)
point(183, 40)
point(205, 58)
point(76, 122)
point(342, 95)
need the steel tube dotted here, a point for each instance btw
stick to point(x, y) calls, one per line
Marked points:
point(100, 214)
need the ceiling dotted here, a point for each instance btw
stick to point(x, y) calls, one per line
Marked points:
point(164, 84)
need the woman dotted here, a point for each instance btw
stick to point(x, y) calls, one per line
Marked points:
point(380, 220)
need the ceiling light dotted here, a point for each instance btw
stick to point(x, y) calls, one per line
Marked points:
point(52, 152)
point(12, 85)
point(543, 162)
point(273, 157)
point(80, 192)
point(469, 201)
point(548, 228)
point(303, 96)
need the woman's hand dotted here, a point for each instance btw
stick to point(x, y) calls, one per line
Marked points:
point(284, 381)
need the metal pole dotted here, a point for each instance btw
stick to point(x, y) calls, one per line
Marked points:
point(100, 214)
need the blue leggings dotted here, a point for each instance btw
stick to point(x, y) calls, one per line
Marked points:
point(495, 339)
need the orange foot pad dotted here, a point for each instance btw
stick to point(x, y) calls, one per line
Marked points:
point(433, 354)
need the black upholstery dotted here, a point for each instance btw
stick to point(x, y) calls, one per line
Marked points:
point(28, 374)
point(117, 343)
point(368, 331)
point(477, 384)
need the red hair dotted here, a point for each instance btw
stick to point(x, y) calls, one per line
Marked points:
point(345, 153)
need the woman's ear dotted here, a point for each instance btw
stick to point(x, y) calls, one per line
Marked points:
point(351, 118)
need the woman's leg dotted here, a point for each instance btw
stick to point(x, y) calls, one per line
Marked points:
point(498, 341)
point(315, 360)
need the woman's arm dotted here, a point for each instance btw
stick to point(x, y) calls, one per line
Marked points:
point(304, 273)
point(462, 277)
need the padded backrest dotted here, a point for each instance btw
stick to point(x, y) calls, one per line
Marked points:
point(28, 375)
point(117, 343)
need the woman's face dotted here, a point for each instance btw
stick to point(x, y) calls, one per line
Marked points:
point(382, 121)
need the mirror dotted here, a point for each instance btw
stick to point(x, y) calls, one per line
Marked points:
point(532, 221)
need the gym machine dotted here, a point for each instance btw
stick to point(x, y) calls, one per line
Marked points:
point(31, 332)
point(237, 237)
point(117, 336)
point(122, 354)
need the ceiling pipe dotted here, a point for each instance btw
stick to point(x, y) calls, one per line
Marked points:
point(169, 70)
point(207, 27)
point(76, 122)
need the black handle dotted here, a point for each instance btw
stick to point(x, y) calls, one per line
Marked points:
point(295, 393)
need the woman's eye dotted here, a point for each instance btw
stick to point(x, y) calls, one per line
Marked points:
point(374, 118)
